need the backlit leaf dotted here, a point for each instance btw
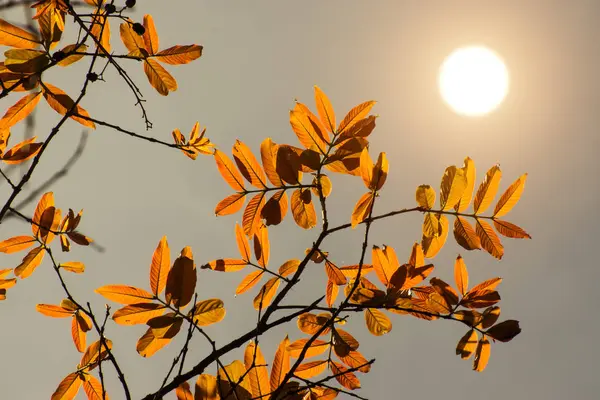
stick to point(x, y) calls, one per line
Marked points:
point(93, 389)
point(425, 196)
point(507, 229)
point(30, 262)
point(510, 197)
point(303, 209)
point(226, 265)
point(362, 209)
point(268, 155)
point(206, 388)
point(51, 310)
point(251, 216)
point(289, 267)
point(310, 323)
point(248, 165)
point(73, 266)
point(80, 324)
point(256, 364)
point(487, 190)
point(334, 273)
point(377, 322)
point(25, 60)
point(490, 316)
point(432, 245)
point(159, 268)
point(311, 369)
point(325, 110)
point(230, 204)
point(181, 281)
point(242, 243)
point(67, 389)
point(20, 110)
point(305, 130)
point(461, 276)
point(162, 329)
point(183, 392)
point(489, 240)
point(262, 247)
point(266, 293)
point(356, 360)
point(249, 281)
point(288, 165)
point(489, 284)
point(316, 347)
point(134, 42)
point(62, 103)
point(331, 292)
point(380, 172)
point(362, 129)
point(346, 158)
point(343, 376)
point(13, 36)
point(139, 313)
point(385, 263)
point(281, 364)
point(275, 208)
point(208, 312)
point(465, 235)
point(467, 344)
point(21, 152)
point(150, 36)
point(504, 331)
point(95, 352)
point(366, 167)
point(454, 183)
point(234, 382)
point(125, 294)
point(355, 115)
point(480, 299)
point(482, 354)
point(228, 171)
point(70, 59)
point(16, 243)
point(177, 55)
point(159, 78)
point(469, 171)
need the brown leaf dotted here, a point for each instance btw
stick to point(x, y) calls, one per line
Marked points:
point(504, 331)
point(275, 208)
point(181, 281)
point(467, 344)
point(26, 61)
point(262, 247)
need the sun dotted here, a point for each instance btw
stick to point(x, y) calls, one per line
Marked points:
point(473, 80)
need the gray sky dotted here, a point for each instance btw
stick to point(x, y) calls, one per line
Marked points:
point(258, 57)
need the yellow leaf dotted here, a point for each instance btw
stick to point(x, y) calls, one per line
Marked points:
point(159, 268)
point(259, 375)
point(507, 229)
point(465, 234)
point(325, 184)
point(325, 110)
point(316, 347)
point(431, 225)
point(303, 209)
point(467, 345)
point(230, 204)
point(159, 78)
point(73, 266)
point(234, 383)
point(366, 167)
point(487, 190)
point(489, 240)
point(20, 110)
point(16, 243)
point(70, 59)
point(67, 389)
point(139, 313)
point(377, 322)
point(362, 209)
point(177, 55)
point(461, 276)
point(432, 245)
point(13, 36)
point(100, 29)
point(355, 115)
point(380, 172)
point(30, 262)
point(162, 330)
point(208, 312)
point(281, 364)
point(331, 292)
point(311, 369)
point(310, 323)
point(266, 293)
point(425, 196)
point(469, 171)
point(510, 197)
point(62, 103)
point(454, 183)
point(482, 354)
point(150, 36)
point(206, 388)
point(249, 281)
point(125, 294)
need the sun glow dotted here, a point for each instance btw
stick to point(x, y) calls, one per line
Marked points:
point(473, 81)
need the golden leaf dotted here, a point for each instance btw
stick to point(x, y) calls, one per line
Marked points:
point(303, 209)
point(467, 344)
point(125, 294)
point(20, 110)
point(134, 42)
point(183, 392)
point(262, 246)
point(256, 364)
point(268, 155)
point(305, 129)
point(356, 360)
point(454, 183)
point(62, 103)
point(67, 389)
point(150, 36)
point(343, 376)
point(311, 369)
point(334, 273)
point(281, 364)
point(206, 388)
point(310, 323)
point(355, 115)
point(177, 55)
point(26, 61)
point(72, 58)
point(208, 312)
point(489, 240)
point(461, 276)
point(366, 167)
point(275, 208)
point(73, 266)
point(13, 36)
point(289, 267)
point(226, 265)
point(30, 262)
point(230, 204)
point(139, 313)
point(465, 199)
point(93, 389)
point(316, 347)
point(510, 197)
point(159, 78)
point(325, 110)
point(159, 268)
point(266, 293)
point(162, 330)
point(425, 196)
point(507, 229)
point(482, 355)
point(16, 243)
point(362, 209)
point(51, 310)
point(465, 234)
point(432, 245)
point(234, 382)
point(377, 322)
point(248, 165)
point(380, 172)
point(249, 281)
point(331, 292)
point(385, 263)
point(251, 216)
point(487, 190)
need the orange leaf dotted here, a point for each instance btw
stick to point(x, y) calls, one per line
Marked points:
point(162, 330)
point(22, 151)
point(510, 197)
point(208, 312)
point(30, 262)
point(366, 167)
point(159, 78)
point(51, 310)
point(377, 322)
point(417, 258)
point(425, 196)
point(234, 382)
point(62, 104)
point(467, 345)
point(480, 299)
point(465, 234)
point(249, 281)
point(125, 294)
point(362, 128)
point(346, 158)
point(20, 110)
point(159, 268)
point(306, 127)
point(316, 347)
point(487, 190)
point(80, 324)
point(139, 313)
point(356, 360)
point(489, 240)
point(226, 265)
point(230, 204)
point(259, 375)
point(73, 266)
point(331, 292)
point(70, 59)
point(177, 55)
point(183, 392)
point(490, 316)
point(334, 274)
point(248, 165)
point(242, 243)
point(452, 188)
point(482, 355)
point(311, 369)
point(325, 110)
point(16, 243)
point(268, 155)
point(507, 229)
point(362, 209)
point(95, 352)
point(432, 245)
point(275, 208)
point(281, 364)
point(354, 116)
point(380, 172)
point(262, 246)
point(461, 276)
point(134, 42)
point(13, 36)
point(303, 209)
point(150, 37)
point(181, 281)
point(100, 29)
point(266, 293)
point(206, 388)
point(289, 267)
point(67, 389)
point(469, 171)
point(310, 323)
point(385, 263)
point(343, 376)
point(288, 165)
point(251, 216)
point(93, 389)
point(489, 284)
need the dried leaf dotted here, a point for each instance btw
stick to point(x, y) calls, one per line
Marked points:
point(504, 331)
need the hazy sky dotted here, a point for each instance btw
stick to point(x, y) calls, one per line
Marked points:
point(258, 57)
